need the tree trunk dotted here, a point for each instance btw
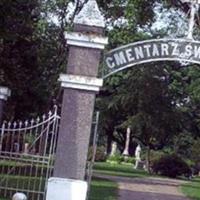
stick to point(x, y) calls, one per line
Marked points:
point(109, 141)
point(148, 159)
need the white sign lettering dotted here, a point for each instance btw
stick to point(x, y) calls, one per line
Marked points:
point(152, 50)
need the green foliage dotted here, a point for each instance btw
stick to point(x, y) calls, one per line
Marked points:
point(155, 156)
point(100, 155)
point(195, 151)
point(18, 64)
point(130, 160)
point(157, 101)
point(183, 144)
point(141, 99)
point(171, 166)
point(117, 158)
point(33, 53)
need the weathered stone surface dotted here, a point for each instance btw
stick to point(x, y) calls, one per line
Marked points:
point(90, 15)
point(77, 111)
point(88, 29)
point(83, 61)
point(78, 105)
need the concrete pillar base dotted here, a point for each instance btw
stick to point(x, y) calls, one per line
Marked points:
point(66, 189)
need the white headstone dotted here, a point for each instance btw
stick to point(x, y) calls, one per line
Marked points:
point(113, 148)
point(137, 156)
point(4, 93)
point(138, 152)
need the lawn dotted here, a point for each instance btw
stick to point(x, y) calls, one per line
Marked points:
point(192, 189)
point(102, 189)
point(119, 170)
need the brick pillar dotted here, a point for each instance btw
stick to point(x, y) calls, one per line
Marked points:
point(80, 87)
point(4, 94)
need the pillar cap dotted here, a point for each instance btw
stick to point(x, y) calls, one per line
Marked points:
point(90, 15)
point(80, 82)
point(4, 93)
point(84, 40)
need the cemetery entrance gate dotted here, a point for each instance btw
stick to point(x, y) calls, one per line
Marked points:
point(27, 152)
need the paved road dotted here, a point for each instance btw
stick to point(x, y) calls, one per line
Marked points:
point(148, 188)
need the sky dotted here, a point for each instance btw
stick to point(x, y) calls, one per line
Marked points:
point(171, 20)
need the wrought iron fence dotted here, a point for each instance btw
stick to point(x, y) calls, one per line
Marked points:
point(27, 155)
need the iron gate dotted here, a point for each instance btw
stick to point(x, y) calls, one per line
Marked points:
point(27, 152)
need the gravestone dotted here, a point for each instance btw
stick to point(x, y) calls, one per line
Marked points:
point(4, 94)
point(113, 148)
point(138, 163)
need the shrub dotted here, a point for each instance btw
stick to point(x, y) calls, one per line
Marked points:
point(171, 166)
point(155, 155)
point(100, 154)
point(117, 158)
point(130, 160)
point(196, 168)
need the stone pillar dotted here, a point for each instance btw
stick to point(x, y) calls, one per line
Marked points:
point(126, 149)
point(4, 94)
point(80, 87)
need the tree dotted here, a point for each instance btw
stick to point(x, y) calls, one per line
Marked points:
point(18, 53)
point(166, 111)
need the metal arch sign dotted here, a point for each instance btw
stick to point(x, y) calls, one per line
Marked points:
point(151, 51)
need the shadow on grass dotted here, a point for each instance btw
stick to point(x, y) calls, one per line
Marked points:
point(196, 181)
point(119, 170)
point(103, 189)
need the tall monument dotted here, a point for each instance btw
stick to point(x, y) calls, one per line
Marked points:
point(126, 149)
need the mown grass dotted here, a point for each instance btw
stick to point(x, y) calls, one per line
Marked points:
point(102, 189)
point(192, 189)
point(119, 170)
